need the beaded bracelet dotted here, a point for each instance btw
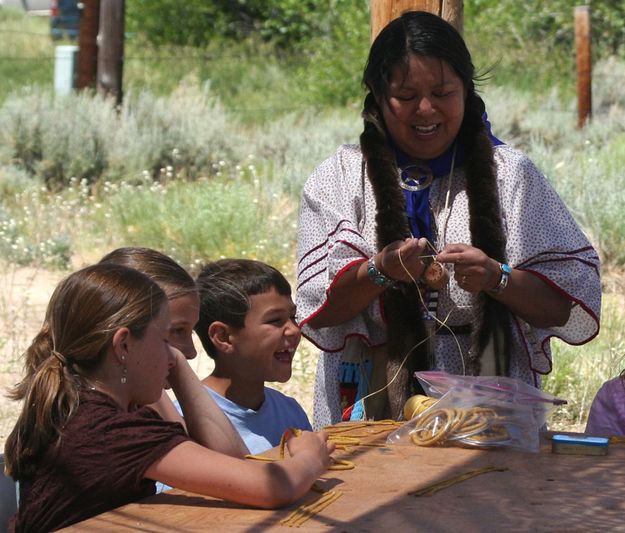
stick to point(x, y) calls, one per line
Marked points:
point(376, 276)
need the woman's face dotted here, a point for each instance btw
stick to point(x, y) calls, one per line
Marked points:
point(185, 313)
point(425, 106)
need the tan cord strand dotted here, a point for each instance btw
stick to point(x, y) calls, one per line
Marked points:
point(305, 512)
point(442, 323)
point(337, 464)
point(435, 487)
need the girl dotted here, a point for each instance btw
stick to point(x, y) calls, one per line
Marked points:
point(83, 444)
point(184, 310)
point(176, 283)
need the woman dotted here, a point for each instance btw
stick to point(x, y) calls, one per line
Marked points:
point(429, 181)
point(84, 445)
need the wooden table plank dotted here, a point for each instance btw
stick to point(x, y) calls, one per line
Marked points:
point(538, 492)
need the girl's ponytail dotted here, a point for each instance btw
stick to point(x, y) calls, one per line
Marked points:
point(85, 311)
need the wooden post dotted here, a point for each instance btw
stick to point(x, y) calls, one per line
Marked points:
point(111, 48)
point(584, 65)
point(87, 44)
point(384, 11)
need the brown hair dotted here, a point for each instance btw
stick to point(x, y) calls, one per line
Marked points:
point(160, 268)
point(85, 311)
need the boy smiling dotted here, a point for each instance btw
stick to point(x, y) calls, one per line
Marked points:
point(247, 325)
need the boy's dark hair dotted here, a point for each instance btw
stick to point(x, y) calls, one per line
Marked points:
point(225, 287)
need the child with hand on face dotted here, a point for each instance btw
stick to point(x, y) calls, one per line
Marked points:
point(247, 326)
point(184, 305)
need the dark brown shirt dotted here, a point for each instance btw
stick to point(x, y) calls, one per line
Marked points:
point(99, 465)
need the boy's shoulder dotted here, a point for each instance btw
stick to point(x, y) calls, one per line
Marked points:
point(285, 408)
point(279, 397)
point(273, 398)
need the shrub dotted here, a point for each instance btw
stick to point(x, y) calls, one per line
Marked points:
point(83, 136)
point(197, 22)
point(57, 138)
point(228, 216)
point(186, 133)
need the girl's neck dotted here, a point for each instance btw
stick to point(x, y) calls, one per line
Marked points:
point(117, 393)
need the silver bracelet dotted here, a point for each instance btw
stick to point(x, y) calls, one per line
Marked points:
point(506, 270)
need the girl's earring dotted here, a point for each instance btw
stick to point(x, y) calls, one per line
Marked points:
point(124, 378)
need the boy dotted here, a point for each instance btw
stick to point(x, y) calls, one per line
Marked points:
point(247, 325)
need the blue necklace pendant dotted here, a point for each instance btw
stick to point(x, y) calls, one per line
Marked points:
point(415, 177)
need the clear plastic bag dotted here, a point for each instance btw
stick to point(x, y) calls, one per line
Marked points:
point(501, 388)
point(477, 411)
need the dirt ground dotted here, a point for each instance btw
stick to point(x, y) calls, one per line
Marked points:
point(24, 294)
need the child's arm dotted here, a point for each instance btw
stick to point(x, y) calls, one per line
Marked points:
point(166, 408)
point(190, 467)
point(206, 423)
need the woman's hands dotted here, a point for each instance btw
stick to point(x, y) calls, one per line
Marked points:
point(353, 291)
point(474, 271)
point(401, 260)
point(526, 294)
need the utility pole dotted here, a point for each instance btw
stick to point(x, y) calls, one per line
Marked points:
point(87, 44)
point(111, 49)
point(384, 11)
point(584, 65)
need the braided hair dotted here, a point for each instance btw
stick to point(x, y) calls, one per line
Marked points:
point(425, 34)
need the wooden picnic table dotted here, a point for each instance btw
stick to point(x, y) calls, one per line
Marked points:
point(537, 492)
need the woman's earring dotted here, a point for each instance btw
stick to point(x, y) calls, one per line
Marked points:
point(124, 378)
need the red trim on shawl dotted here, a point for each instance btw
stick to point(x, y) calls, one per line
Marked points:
point(336, 228)
point(534, 260)
point(315, 274)
point(334, 281)
point(561, 252)
point(349, 265)
point(547, 339)
point(570, 298)
point(593, 265)
point(517, 324)
point(364, 338)
point(356, 249)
